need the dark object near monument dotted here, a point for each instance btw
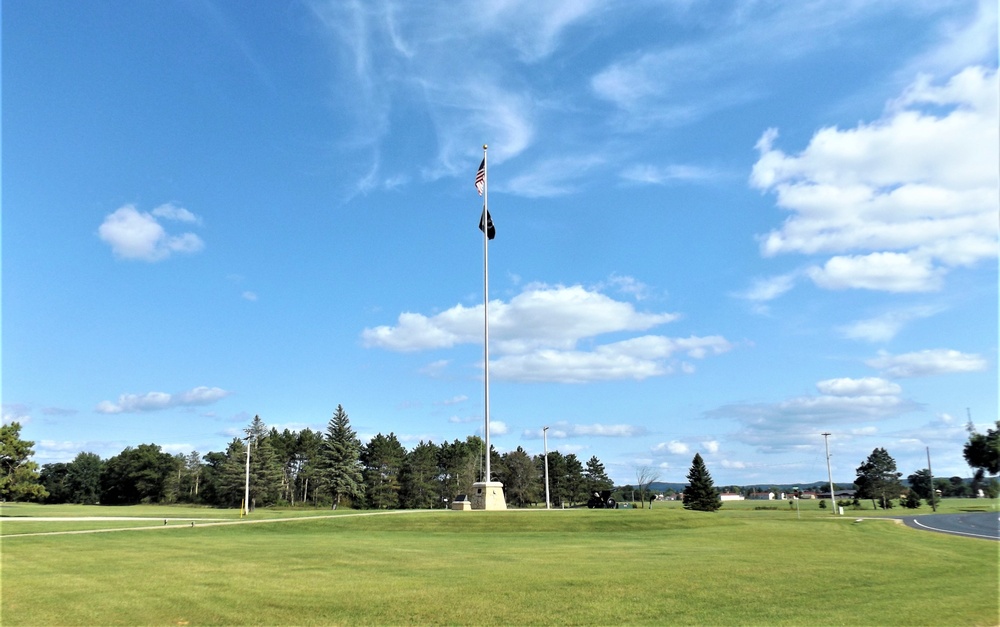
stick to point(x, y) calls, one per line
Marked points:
point(601, 500)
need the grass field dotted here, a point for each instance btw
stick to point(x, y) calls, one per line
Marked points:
point(739, 566)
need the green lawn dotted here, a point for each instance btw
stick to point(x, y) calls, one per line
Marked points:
point(665, 566)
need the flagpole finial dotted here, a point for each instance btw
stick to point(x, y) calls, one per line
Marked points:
point(484, 146)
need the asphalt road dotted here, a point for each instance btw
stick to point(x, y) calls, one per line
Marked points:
point(976, 524)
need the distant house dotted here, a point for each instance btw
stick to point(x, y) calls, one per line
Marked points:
point(731, 496)
point(808, 495)
point(839, 494)
point(762, 496)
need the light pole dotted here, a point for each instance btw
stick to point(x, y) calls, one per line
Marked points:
point(246, 492)
point(829, 474)
point(545, 443)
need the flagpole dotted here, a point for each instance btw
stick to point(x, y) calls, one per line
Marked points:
point(486, 313)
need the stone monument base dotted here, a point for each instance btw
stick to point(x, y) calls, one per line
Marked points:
point(487, 495)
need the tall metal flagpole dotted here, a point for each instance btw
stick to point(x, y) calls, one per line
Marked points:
point(486, 311)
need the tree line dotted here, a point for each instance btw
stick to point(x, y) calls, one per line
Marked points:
point(321, 469)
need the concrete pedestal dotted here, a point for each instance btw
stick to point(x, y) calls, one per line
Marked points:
point(488, 495)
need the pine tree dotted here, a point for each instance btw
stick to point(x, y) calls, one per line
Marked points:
point(596, 477)
point(18, 474)
point(700, 494)
point(382, 459)
point(341, 459)
point(877, 479)
point(420, 486)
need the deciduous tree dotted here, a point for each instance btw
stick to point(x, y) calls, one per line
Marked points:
point(983, 450)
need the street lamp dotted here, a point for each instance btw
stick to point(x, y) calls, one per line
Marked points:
point(545, 442)
point(246, 492)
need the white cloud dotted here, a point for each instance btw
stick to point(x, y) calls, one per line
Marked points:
point(673, 447)
point(884, 327)
point(898, 202)
point(659, 175)
point(858, 387)
point(561, 430)
point(154, 401)
point(889, 272)
point(536, 335)
point(927, 363)
point(552, 177)
point(133, 234)
point(762, 290)
point(734, 464)
point(711, 446)
point(250, 296)
point(15, 412)
point(795, 424)
point(455, 400)
point(498, 427)
point(170, 211)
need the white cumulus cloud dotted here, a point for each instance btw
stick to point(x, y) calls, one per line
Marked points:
point(899, 202)
point(536, 336)
point(133, 234)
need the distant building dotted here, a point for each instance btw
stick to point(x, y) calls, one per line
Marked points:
point(839, 494)
point(762, 496)
point(731, 496)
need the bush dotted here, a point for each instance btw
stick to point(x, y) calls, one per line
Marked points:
point(912, 501)
point(822, 504)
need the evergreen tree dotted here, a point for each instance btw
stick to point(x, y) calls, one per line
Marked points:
point(18, 474)
point(521, 482)
point(595, 477)
point(230, 478)
point(341, 459)
point(877, 479)
point(309, 463)
point(459, 466)
point(382, 459)
point(700, 494)
point(265, 474)
point(419, 483)
point(576, 486)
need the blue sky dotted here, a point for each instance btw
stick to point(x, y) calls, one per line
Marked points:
point(722, 227)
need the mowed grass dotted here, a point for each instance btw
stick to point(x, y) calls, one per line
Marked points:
point(664, 566)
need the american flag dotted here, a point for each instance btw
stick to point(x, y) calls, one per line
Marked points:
point(481, 177)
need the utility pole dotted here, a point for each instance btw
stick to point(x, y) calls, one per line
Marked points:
point(545, 442)
point(931, 477)
point(829, 474)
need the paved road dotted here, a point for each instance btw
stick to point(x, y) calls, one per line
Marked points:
point(975, 525)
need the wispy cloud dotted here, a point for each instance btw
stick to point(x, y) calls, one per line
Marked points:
point(927, 363)
point(884, 327)
point(795, 423)
point(562, 430)
point(155, 401)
